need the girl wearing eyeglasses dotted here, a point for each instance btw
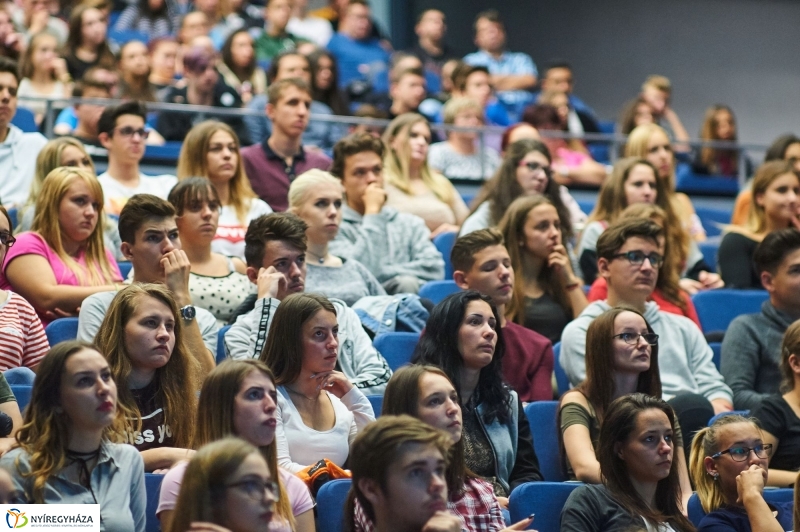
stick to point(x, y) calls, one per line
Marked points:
point(778, 417)
point(621, 358)
point(641, 487)
point(228, 487)
point(547, 293)
point(730, 467)
point(525, 171)
point(239, 398)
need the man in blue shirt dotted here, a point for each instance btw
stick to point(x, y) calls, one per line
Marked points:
point(513, 73)
point(360, 56)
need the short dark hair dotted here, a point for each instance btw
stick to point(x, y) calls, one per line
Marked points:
point(492, 15)
point(192, 189)
point(557, 63)
point(351, 145)
point(108, 120)
point(10, 66)
point(414, 71)
point(620, 231)
point(276, 226)
point(81, 86)
point(462, 73)
point(771, 251)
point(276, 90)
point(139, 209)
point(275, 64)
point(462, 256)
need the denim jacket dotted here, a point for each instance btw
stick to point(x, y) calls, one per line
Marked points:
point(398, 313)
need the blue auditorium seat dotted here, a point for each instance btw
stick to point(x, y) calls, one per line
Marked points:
point(25, 120)
point(716, 348)
point(542, 419)
point(744, 413)
point(713, 219)
point(444, 243)
point(690, 183)
point(125, 267)
point(562, 381)
point(221, 353)
point(152, 484)
point(696, 512)
point(330, 503)
point(396, 347)
point(377, 403)
point(438, 290)
point(22, 393)
point(709, 249)
point(717, 308)
point(124, 36)
point(61, 330)
point(545, 499)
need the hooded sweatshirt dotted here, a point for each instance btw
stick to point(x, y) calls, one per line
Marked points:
point(751, 355)
point(684, 357)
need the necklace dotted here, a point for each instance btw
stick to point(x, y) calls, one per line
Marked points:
point(320, 260)
point(304, 396)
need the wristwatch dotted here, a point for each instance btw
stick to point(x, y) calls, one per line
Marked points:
point(188, 312)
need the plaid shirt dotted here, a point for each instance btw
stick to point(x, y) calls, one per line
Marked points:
point(477, 508)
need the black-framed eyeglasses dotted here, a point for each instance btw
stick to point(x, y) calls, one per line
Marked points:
point(129, 131)
point(255, 489)
point(633, 338)
point(536, 167)
point(741, 453)
point(6, 239)
point(636, 258)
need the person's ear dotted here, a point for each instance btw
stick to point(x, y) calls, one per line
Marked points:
point(460, 279)
point(711, 467)
point(252, 274)
point(619, 451)
point(269, 109)
point(105, 140)
point(767, 281)
point(794, 363)
point(371, 491)
point(125, 248)
point(602, 268)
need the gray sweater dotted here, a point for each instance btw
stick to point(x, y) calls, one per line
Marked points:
point(751, 355)
point(684, 357)
point(389, 244)
point(349, 283)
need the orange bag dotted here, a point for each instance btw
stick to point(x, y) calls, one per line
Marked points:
point(318, 474)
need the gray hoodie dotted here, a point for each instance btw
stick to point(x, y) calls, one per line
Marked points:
point(389, 244)
point(751, 355)
point(684, 357)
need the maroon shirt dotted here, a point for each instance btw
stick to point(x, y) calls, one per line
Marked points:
point(528, 363)
point(270, 176)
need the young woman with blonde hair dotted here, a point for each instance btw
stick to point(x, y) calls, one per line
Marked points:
point(547, 293)
point(227, 487)
point(66, 453)
point(62, 260)
point(142, 339)
point(317, 197)
point(239, 398)
point(651, 142)
point(211, 149)
point(410, 183)
point(730, 468)
point(775, 189)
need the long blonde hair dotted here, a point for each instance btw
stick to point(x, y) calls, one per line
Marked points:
point(45, 433)
point(706, 443)
point(637, 146)
point(216, 413)
point(98, 270)
point(49, 158)
point(192, 162)
point(177, 380)
point(396, 163)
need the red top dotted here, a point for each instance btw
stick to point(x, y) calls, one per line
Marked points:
point(599, 292)
point(528, 363)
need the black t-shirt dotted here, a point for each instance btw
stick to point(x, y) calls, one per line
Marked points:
point(735, 259)
point(154, 432)
point(591, 508)
point(778, 418)
point(545, 316)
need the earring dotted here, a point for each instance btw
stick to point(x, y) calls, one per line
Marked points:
point(715, 476)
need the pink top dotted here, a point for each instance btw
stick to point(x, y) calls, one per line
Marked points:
point(295, 488)
point(30, 243)
point(571, 158)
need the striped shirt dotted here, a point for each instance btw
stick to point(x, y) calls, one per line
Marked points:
point(22, 338)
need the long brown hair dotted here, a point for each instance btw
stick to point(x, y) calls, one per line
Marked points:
point(177, 381)
point(45, 433)
point(216, 410)
point(512, 225)
point(617, 428)
point(710, 156)
point(105, 57)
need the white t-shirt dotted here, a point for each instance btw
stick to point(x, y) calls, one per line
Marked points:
point(229, 240)
point(117, 194)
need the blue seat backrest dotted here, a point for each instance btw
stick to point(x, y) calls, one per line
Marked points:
point(438, 290)
point(716, 348)
point(696, 512)
point(221, 353)
point(714, 418)
point(12, 214)
point(377, 403)
point(709, 249)
point(542, 419)
point(152, 484)
point(125, 268)
point(25, 120)
point(562, 381)
point(330, 505)
point(22, 393)
point(717, 308)
point(444, 243)
point(61, 330)
point(396, 347)
point(545, 499)
point(712, 219)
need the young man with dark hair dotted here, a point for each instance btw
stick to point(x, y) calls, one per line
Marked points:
point(274, 38)
point(396, 247)
point(474, 82)
point(430, 47)
point(275, 253)
point(385, 458)
point(751, 348)
point(204, 86)
point(18, 150)
point(89, 114)
point(273, 164)
point(150, 241)
point(559, 78)
point(407, 90)
point(481, 262)
point(121, 131)
point(629, 259)
point(513, 73)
